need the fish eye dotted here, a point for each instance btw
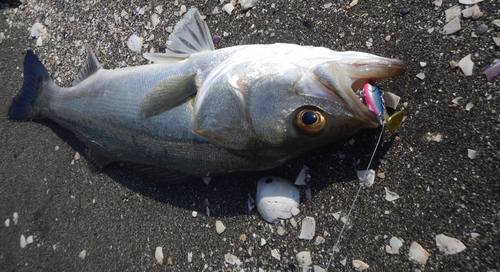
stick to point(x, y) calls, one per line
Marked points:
point(310, 121)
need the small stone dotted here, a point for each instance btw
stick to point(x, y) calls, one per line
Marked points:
point(247, 4)
point(481, 29)
point(394, 245)
point(190, 257)
point(367, 177)
point(243, 237)
point(7, 222)
point(319, 240)
point(471, 12)
point(219, 227)
point(420, 76)
point(496, 22)
point(194, 214)
point(469, 106)
point(438, 3)
point(56, 148)
point(423, 64)
point(206, 180)
point(77, 156)
point(232, 259)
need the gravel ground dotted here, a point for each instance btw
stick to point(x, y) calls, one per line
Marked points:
point(119, 219)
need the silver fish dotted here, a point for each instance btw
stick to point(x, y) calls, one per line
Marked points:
point(198, 111)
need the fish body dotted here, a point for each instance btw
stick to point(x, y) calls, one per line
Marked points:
point(198, 111)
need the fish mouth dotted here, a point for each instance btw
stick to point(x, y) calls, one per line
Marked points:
point(343, 78)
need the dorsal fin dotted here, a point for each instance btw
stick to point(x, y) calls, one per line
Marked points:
point(190, 35)
point(91, 66)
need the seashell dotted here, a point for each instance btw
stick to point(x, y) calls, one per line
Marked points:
point(449, 245)
point(418, 253)
point(276, 199)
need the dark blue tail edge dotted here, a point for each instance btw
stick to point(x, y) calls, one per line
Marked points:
point(35, 75)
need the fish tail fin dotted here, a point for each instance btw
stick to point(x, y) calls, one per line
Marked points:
point(35, 78)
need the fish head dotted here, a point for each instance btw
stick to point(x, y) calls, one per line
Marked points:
point(280, 108)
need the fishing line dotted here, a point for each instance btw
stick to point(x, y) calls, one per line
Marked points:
point(335, 247)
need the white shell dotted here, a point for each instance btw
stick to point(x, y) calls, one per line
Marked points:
point(134, 43)
point(472, 11)
point(219, 227)
point(418, 253)
point(453, 13)
point(304, 258)
point(247, 4)
point(394, 245)
point(276, 199)
point(159, 255)
point(390, 196)
point(469, 2)
point(228, 8)
point(452, 27)
point(471, 153)
point(466, 65)
point(449, 245)
point(369, 179)
point(360, 265)
point(308, 228)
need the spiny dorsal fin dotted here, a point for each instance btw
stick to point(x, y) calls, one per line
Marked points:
point(91, 66)
point(190, 35)
point(167, 94)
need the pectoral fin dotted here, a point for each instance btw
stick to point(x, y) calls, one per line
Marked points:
point(168, 94)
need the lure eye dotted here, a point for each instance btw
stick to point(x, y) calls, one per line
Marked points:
point(310, 121)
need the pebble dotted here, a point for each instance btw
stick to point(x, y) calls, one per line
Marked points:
point(438, 3)
point(418, 253)
point(481, 29)
point(194, 214)
point(281, 231)
point(23, 242)
point(2, 37)
point(7, 222)
point(449, 245)
point(469, 106)
point(308, 228)
point(496, 41)
point(472, 12)
point(496, 22)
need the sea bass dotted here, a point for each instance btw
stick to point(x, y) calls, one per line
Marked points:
point(197, 111)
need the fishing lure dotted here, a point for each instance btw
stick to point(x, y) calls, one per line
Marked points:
point(375, 103)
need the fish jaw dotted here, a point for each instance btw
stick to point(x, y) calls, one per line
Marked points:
point(346, 72)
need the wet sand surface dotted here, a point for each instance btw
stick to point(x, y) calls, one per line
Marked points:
point(119, 219)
